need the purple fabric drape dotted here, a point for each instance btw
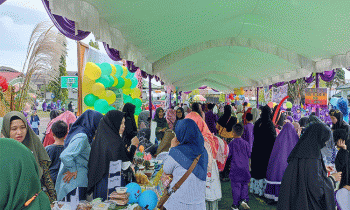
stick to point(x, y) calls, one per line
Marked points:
point(279, 84)
point(215, 90)
point(64, 25)
point(157, 78)
point(202, 88)
point(293, 81)
point(327, 76)
point(144, 74)
point(309, 79)
point(112, 53)
point(162, 83)
point(270, 86)
point(2, 1)
point(150, 76)
point(131, 66)
point(188, 92)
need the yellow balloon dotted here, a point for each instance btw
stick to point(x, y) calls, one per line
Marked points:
point(136, 93)
point(114, 70)
point(92, 71)
point(248, 104)
point(87, 108)
point(115, 81)
point(274, 104)
point(128, 83)
point(125, 71)
point(136, 120)
point(126, 91)
point(98, 90)
point(110, 97)
point(87, 84)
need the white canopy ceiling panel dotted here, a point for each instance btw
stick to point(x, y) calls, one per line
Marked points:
point(221, 43)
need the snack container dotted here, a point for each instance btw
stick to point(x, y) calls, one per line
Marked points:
point(121, 190)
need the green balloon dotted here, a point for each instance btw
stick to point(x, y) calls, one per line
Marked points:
point(119, 72)
point(101, 105)
point(137, 102)
point(130, 75)
point(90, 99)
point(110, 108)
point(127, 99)
point(104, 79)
point(134, 83)
point(106, 68)
point(121, 82)
point(138, 111)
point(111, 80)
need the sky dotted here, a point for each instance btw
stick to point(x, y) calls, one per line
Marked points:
point(17, 21)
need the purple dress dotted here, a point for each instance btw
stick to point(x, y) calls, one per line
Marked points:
point(211, 120)
point(239, 155)
point(284, 144)
point(248, 134)
point(44, 106)
point(297, 117)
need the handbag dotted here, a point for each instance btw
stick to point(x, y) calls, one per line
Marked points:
point(222, 128)
point(167, 194)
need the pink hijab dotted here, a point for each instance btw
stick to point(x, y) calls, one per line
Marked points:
point(67, 117)
point(171, 117)
point(208, 136)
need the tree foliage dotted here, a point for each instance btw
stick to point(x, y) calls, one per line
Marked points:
point(94, 44)
point(296, 91)
point(55, 84)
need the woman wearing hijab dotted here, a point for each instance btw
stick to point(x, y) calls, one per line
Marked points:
point(213, 186)
point(190, 144)
point(225, 124)
point(67, 117)
point(15, 126)
point(303, 122)
point(305, 184)
point(143, 120)
point(162, 124)
point(338, 122)
point(19, 178)
point(108, 146)
point(264, 139)
point(249, 110)
point(130, 124)
point(54, 114)
point(283, 146)
point(256, 114)
point(211, 119)
point(240, 112)
point(342, 164)
point(180, 115)
point(74, 159)
point(281, 117)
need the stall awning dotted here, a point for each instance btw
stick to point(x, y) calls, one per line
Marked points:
point(222, 44)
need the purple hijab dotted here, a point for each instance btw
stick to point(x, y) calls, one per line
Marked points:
point(211, 120)
point(283, 146)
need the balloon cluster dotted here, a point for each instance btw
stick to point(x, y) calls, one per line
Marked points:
point(99, 82)
point(3, 84)
point(222, 97)
point(239, 91)
point(147, 200)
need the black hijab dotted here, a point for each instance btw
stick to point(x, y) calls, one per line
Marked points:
point(311, 142)
point(107, 146)
point(226, 120)
point(130, 124)
point(303, 122)
point(342, 160)
point(177, 119)
point(161, 122)
point(341, 124)
point(280, 117)
point(195, 108)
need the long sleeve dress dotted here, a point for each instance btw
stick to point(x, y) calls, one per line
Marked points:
point(74, 158)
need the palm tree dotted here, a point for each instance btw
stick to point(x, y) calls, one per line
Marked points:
point(46, 45)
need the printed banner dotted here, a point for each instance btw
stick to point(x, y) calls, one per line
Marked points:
point(268, 94)
point(279, 93)
point(316, 96)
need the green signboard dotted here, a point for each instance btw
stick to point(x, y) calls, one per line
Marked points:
point(69, 82)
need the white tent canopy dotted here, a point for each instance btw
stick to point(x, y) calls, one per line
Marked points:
point(223, 44)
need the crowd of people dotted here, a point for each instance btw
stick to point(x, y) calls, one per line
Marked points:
point(292, 160)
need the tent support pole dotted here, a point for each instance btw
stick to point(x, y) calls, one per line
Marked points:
point(257, 97)
point(317, 86)
point(150, 106)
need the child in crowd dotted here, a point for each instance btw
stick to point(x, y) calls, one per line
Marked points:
point(248, 130)
point(239, 155)
point(35, 122)
point(59, 131)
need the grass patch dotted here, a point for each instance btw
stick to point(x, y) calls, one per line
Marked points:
point(255, 202)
